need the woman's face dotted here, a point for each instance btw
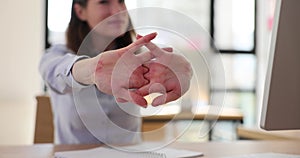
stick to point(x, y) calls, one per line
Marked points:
point(98, 10)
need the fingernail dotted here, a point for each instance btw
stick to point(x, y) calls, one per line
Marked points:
point(153, 35)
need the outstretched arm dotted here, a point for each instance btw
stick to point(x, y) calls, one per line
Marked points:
point(116, 72)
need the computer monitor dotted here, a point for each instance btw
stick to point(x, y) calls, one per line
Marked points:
point(281, 100)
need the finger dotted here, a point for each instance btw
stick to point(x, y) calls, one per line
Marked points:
point(138, 99)
point(145, 39)
point(147, 76)
point(143, 91)
point(148, 64)
point(133, 97)
point(146, 69)
point(144, 57)
point(120, 100)
point(137, 79)
point(133, 47)
point(152, 88)
point(138, 36)
point(147, 56)
point(168, 49)
point(137, 82)
point(165, 98)
point(154, 49)
point(149, 73)
point(157, 88)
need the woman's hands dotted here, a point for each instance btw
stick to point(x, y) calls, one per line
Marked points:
point(117, 72)
point(130, 77)
point(169, 74)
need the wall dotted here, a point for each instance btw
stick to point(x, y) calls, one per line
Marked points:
point(21, 46)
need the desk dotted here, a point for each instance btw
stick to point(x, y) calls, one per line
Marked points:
point(256, 133)
point(224, 114)
point(210, 149)
point(44, 124)
point(231, 114)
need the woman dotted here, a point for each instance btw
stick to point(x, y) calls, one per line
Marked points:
point(64, 72)
point(70, 75)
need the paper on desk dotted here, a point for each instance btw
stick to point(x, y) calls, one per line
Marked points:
point(168, 152)
point(266, 155)
point(112, 153)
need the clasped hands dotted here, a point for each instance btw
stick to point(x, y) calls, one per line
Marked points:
point(130, 77)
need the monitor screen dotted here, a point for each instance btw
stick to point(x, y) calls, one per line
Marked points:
point(281, 100)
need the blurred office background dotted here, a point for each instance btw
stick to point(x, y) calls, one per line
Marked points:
point(240, 29)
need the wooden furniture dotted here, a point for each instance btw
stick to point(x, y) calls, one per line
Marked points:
point(44, 130)
point(256, 133)
point(210, 149)
point(205, 113)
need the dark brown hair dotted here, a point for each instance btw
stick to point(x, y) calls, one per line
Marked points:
point(78, 30)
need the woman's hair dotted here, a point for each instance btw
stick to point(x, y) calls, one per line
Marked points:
point(78, 30)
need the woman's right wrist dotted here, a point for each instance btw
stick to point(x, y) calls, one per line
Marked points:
point(83, 71)
point(94, 64)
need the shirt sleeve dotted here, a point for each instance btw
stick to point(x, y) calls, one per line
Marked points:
point(55, 68)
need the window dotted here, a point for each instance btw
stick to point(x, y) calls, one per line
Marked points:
point(231, 23)
point(58, 15)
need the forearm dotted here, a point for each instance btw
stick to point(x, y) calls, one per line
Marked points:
point(83, 71)
point(55, 68)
